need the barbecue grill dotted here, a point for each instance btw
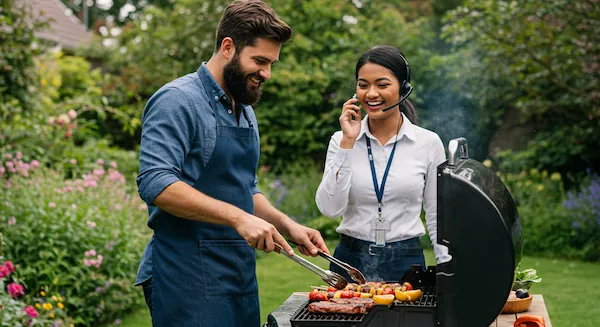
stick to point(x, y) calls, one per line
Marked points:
point(479, 223)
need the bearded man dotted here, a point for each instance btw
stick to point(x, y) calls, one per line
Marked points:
point(198, 161)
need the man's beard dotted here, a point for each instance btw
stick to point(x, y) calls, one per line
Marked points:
point(236, 82)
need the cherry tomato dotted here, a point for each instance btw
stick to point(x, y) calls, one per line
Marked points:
point(387, 290)
point(312, 294)
point(408, 286)
point(321, 296)
point(331, 289)
point(356, 294)
point(347, 294)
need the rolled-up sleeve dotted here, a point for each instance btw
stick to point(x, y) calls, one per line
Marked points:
point(168, 129)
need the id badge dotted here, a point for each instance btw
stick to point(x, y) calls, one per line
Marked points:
point(380, 227)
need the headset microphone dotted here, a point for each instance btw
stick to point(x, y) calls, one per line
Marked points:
point(402, 98)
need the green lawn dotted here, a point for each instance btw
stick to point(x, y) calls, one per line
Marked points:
point(571, 289)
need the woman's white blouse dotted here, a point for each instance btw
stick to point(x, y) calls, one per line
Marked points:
point(347, 186)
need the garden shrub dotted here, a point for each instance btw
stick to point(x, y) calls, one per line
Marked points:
point(556, 223)
point(80, 238)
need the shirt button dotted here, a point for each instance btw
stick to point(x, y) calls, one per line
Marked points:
point(216, 97)
point(229, 111)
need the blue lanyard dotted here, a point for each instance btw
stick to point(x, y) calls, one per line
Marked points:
point(379, 191)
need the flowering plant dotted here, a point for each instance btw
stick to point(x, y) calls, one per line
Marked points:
point(16, 312)
point(583, 210)
point(78, 238)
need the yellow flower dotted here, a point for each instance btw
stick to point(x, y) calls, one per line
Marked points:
point(528, 182)
point(60, 305)
point(534, 172)
point(540, 187)
point(42, 293)
point(44, 82)
point(51, 314)
point(71, 325)
point(555, 176)
point(54, 298)
point(37, 305)
point(48, 306)
point(487, 163)
point(544, 173)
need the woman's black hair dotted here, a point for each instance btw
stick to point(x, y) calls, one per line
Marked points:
point(391, 58)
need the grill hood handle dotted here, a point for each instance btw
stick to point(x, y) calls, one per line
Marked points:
point(455, 145)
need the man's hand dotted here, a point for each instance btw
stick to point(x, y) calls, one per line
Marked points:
point(261, 234)
point(309, 240)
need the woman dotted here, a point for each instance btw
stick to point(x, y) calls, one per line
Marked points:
point(381, 223)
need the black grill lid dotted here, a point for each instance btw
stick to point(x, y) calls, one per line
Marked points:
point(479, 222)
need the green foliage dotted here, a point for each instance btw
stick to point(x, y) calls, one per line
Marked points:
point(556, 223)
point(293, 191)
point(301, 103)
point(539, 57)
point(17, 52)
point(81, 238)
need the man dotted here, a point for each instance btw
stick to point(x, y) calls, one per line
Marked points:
point(198, 161)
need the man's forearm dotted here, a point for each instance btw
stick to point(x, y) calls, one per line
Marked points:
point(184, 201)
point(265, 210)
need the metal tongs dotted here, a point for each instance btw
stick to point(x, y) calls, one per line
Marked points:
point(354, 273)
point(332, 278)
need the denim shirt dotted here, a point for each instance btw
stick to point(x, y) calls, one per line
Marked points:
point(179, 134)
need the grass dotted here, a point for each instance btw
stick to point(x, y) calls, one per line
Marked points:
point(571, 290)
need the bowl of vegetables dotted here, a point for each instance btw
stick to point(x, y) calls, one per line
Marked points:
point(524, 279)
point(518, 301)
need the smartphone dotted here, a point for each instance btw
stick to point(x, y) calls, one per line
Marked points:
point(358, 104)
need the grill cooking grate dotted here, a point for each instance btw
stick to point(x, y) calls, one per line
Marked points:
point(428, 299)
point(303, 317)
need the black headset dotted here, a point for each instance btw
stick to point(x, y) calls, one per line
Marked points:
point(405, 87)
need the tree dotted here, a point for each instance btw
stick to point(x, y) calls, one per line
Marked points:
point(543, 59)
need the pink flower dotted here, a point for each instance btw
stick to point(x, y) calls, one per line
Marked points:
point(113, 164)
point(31, 311)
point(72, 114)
point(19, 155)
point(51, 120)
point(92, 252)
point(4, 272)
point(10, 266)
point(15, 290)
point(74, 206)
point(86, 262)
point(68, 134)
point(73, 162)
point(8, 156)
point(8, 204)
point(91, 224)
point(100, 162)
point(35, 164)
point(98, 172)
point(12, 220)
point(52, 205)
point(2, 171)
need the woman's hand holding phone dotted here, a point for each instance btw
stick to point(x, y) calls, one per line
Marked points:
point(350, 121)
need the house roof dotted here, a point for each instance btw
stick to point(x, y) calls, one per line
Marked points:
point(65, 28)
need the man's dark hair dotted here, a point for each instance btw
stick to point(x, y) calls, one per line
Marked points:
point(246, 20)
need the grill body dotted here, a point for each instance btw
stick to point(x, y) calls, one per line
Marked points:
point(479, 223)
